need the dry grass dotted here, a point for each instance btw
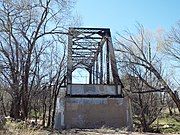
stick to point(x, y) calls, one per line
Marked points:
point(21, 128)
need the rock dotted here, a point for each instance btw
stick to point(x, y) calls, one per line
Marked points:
point(166, 126)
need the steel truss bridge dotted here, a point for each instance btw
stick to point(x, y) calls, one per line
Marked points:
point(92, 49)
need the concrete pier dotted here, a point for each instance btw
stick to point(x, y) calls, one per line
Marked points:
point(93, 111)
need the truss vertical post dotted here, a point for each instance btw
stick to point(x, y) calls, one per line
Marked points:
point(97, 71)
point(114, 69)
point(90, 76)
point(107, 61)
point(101, 65)
point(93, 74)
point(69, 59)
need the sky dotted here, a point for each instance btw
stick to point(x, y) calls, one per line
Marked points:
point(119, 15)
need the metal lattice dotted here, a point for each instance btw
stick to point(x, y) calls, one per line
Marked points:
point(92, 49)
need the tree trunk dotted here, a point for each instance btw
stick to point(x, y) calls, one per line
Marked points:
point(175, 98)
point(35, 113)
point(49, 115)
point(3, 106)
point(56, 93)
point(44, 114)
point(54, 110)
point(50, 106)
point(15, 108)
point(169, 90)
point(25, 106)
point(143, 119)
point(144, 126)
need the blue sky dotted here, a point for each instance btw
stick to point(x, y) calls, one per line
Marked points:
point(123, 14)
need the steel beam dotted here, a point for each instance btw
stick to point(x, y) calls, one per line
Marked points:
point(107, 61)
point(101, 65)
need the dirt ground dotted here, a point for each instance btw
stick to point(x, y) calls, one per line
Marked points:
point(77, 132)
point(104, 132)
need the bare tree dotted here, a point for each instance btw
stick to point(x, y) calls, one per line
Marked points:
point(171, 46)
point(55, 80)
point(27, 28)
point(171, 49)
point(147, 101)
point(134, 49)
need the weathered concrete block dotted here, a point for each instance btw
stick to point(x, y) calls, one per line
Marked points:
point(93, 89)
point(84, 112)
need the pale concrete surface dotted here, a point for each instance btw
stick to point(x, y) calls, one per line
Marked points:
point(97, 112)
point(92, 89)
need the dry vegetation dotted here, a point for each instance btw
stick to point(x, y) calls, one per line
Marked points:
point(22, 128)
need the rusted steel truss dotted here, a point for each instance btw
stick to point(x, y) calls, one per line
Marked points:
point(92, 49)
